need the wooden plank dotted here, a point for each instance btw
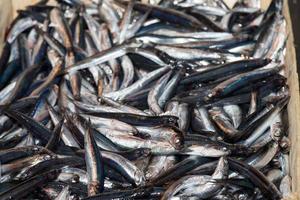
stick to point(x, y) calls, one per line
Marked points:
point(8, 11)
point(294, 106)
point(5, 19)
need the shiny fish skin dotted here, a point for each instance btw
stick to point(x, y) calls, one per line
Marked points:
point(94, 164)
point(228, 68)
point(209, 189)
point(223, 122)
point(155, 93)
point(145, 99)
point(158, 165)
point(200, 186)
point(235, 114)
point(41, 131)
point(122, 94)
point(27, 186)
point(178, 17)
point(202, 118)
point(125, 167)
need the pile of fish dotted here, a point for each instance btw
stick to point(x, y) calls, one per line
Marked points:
point(113, 99)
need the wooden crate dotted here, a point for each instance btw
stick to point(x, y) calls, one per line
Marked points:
point(8, 10)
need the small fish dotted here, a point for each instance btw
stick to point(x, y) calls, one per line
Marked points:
point(94, 165)
point(150, 99)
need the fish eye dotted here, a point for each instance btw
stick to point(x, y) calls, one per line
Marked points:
point(242, 197)
point(75, 179)
point(35, 149)
point(25, 175)
point(172, 120)
point(37, 142)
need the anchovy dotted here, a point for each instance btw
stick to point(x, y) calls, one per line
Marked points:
point(269, 189)
point(125, 167)
point(201, 186)
point(154, 93)
point(26, 187)
point(171, 15)
point(150, 99)
point(137, 119)
point(39, 130)
point(20, 26)
point(94, 165)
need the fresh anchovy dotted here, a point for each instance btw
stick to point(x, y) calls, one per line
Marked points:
point(20, 26)
point(26, 187)
point(184, 182)
point(228, 68)
point(177, 170)
point(152, 193)
point(56, 45)
point(128, 70)
point(209, 189)
point(123, 93)
point(122, 107)
point(66, 134)
point(171, 15)
point(264, 157)
point(201, 186)
point(155, 92)
point(125, 21)
point(19, 152)
point(264, 126)
point(94, 28)
point(139, 120)
point(99, 58)
point(22, 83)
point(94, 164)
point(53, 74)
point(149, 99)
point(125, 167)
point(266, 37)
point(171, 134)
point(39, 131)
point(236, 82)
point(269, 190)
point(176, 32)
point(63, 30)
point(170, 88)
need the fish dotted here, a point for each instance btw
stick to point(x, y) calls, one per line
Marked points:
point(26, 187)
point(145, 99)
point(94, 164)
point(201, 186)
